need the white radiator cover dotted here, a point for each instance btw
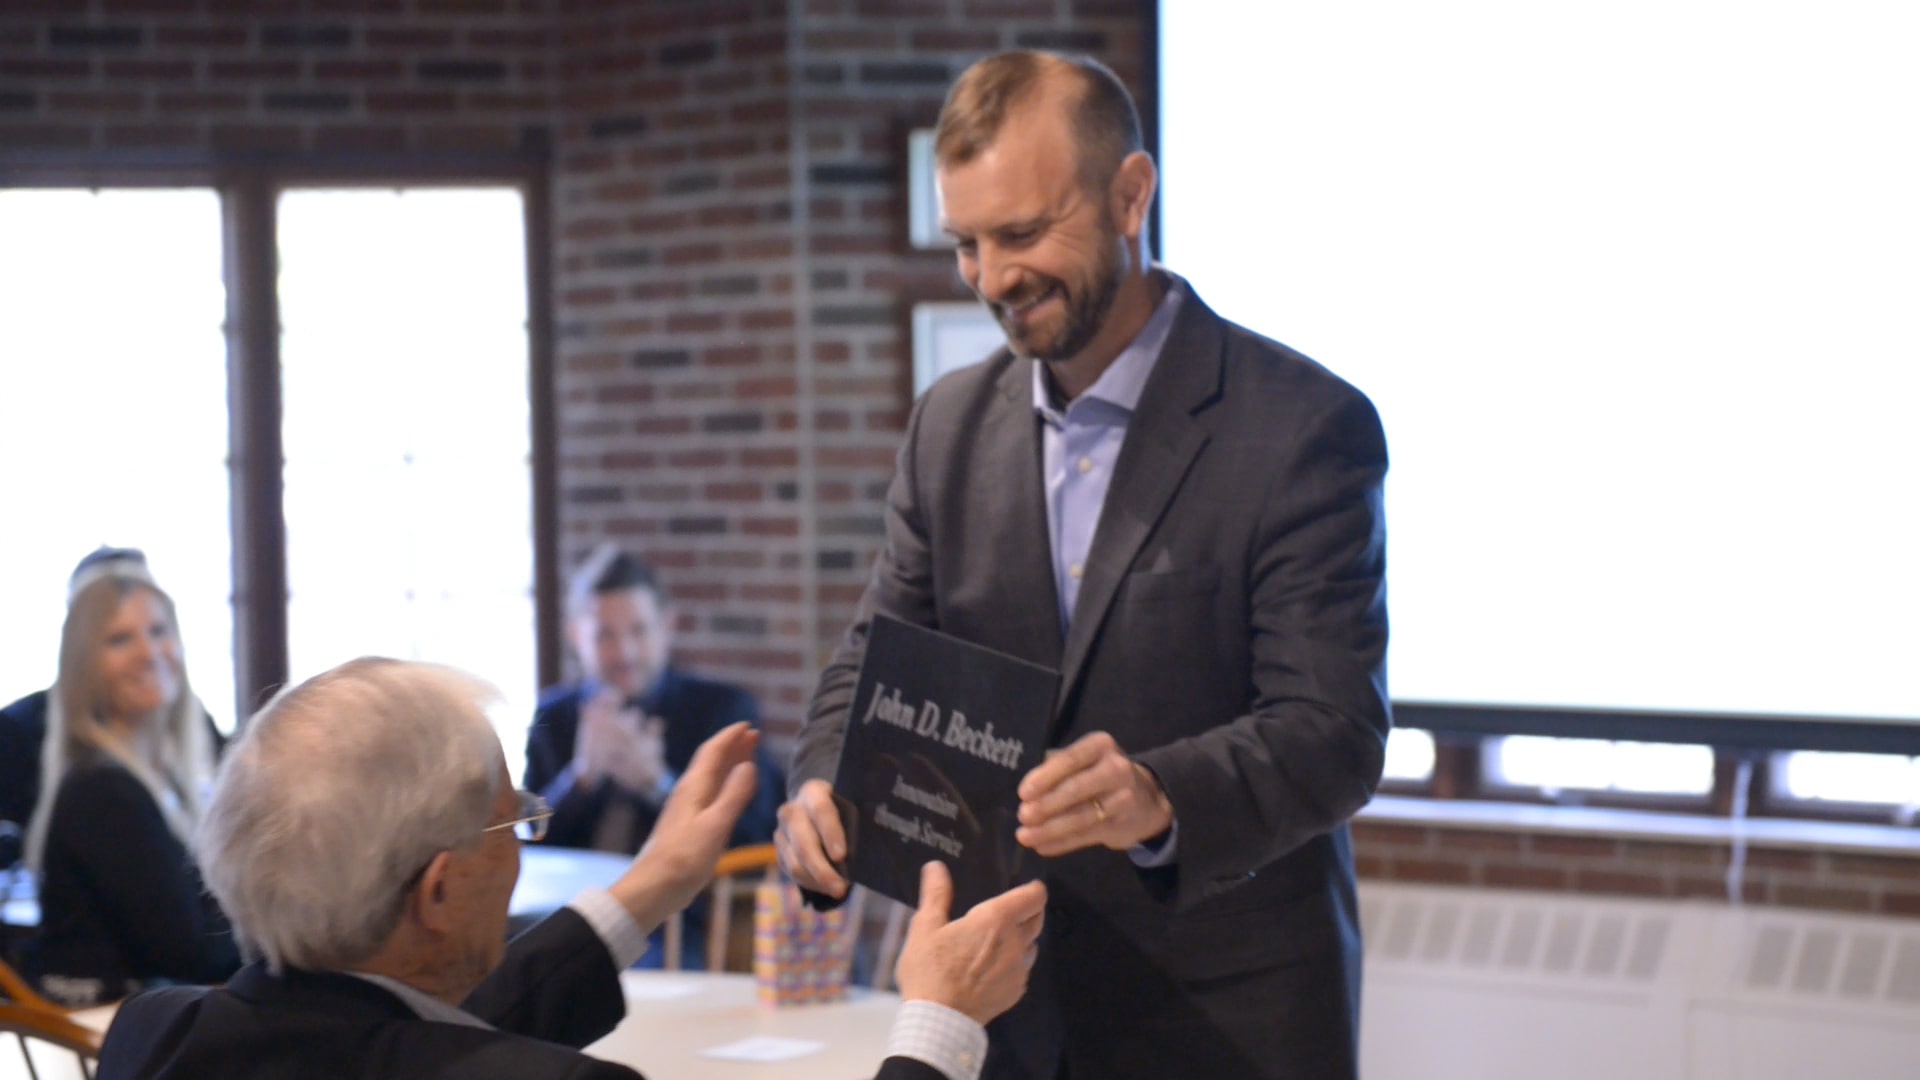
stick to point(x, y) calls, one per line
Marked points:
point(1480, 984)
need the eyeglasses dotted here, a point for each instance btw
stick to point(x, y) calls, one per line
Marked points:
point(532, 822)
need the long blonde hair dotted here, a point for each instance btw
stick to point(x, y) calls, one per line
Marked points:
point(78, 716)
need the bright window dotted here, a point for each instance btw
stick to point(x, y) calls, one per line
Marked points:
point(404, 368)
point(113, 416)
point(1559, 766)
point(1813, 777)
point(1409, 755)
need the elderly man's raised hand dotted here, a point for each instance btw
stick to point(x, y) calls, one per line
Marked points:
point(976, 964)
point(694, 826)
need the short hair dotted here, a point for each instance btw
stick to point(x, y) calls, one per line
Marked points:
point(77, 709)
point(1106, 126)
point(610, 568)
point(334, 798)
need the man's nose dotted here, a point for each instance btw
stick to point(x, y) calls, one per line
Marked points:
point(994, 277)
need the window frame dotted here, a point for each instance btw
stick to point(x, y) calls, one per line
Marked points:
point(249, 187)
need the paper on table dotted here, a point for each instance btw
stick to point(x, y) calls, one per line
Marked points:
point(764, 1048)
point(660, 989)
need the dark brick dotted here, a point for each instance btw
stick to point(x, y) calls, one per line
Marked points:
point(306, 36)
point(1084, 41)
point(17, 99)
point(743, 625)
point(733, 422)
point(662, 358)
point(462, 70)
point(308, 101)
point(596, 493)
point(786, 491)
point(853, 173)
point(623, 259)
point(95, 37)
point(612, 127)
point(921, 73)
point(688, 53)
point(823, 74)
point(697, 526)
point(831, 279)
point(835, 560)
point(731, 285)
point(855, 316)
point(688, 183)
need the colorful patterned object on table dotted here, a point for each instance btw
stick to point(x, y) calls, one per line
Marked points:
point(799, 955)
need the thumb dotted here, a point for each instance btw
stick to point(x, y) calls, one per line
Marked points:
point(936, 897)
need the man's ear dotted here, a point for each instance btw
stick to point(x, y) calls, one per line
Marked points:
point(1131, 193)
point(430, 903)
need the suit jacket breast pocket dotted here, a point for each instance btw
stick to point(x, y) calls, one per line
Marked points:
point(1171, 585)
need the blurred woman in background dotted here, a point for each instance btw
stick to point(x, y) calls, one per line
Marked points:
point(126, 766)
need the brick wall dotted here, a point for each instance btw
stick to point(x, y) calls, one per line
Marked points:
point(731, 286)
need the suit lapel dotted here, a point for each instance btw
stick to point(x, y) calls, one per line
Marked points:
point(1025, 557)
point(1163, 439)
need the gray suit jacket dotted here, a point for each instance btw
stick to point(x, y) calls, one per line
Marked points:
point(1230, 633)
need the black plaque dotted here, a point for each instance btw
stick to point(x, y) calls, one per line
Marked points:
point(940, 735)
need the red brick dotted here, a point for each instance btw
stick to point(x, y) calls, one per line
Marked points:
point(779, 457)
point(1374, 833)
point(205, 101)
point(156, 70)
point(46, 136)
point(359, 71)
point(1802, 862)
point(1431, 871)
point(408, 38)
point(152, 135)
point(1619, 883)
point(255, 137)
point(1822, 898)
point(1515, 876)
point(411, 101)
point(736, 491)
point(45, 69)
point(1671, 854)
point(1585, 846)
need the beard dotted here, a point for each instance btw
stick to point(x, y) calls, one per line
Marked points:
point(1086, 308)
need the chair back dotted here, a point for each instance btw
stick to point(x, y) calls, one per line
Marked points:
point(752, 861)
point(37, 1031)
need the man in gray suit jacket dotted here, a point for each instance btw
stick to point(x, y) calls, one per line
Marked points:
point(1185, 519)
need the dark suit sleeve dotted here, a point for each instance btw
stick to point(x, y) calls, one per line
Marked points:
point(143, 882)
point(1309, 753)
point(550, 738)
point(906, 1068)
point(557, 982)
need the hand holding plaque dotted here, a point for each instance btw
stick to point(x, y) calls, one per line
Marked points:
point(940, 735)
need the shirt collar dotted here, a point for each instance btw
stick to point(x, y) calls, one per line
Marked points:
point(426, 1006)
point(1124, 380)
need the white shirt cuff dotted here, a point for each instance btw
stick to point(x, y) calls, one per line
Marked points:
point(624, 938)
point(944, 1038)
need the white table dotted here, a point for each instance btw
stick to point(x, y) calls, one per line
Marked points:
point(673, 1016)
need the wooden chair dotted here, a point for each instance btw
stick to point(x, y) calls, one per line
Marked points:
point(32, 1019)
point(31, 1026)
point(755, 861)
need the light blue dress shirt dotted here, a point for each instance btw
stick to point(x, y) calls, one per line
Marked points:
point(1079, 446)
point(1080, 443)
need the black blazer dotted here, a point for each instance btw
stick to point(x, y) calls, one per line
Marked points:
point(1230, 633)
point(556, 990)
point(693, 708)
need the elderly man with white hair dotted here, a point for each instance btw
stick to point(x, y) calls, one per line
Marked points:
point(362, 838)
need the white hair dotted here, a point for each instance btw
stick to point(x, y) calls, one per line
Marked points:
point(336, 796)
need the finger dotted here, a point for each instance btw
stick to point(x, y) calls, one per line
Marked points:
point(816, 798)
point(803, 853)
point(1061, 765)
point(716, 758)
point(936, 898)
